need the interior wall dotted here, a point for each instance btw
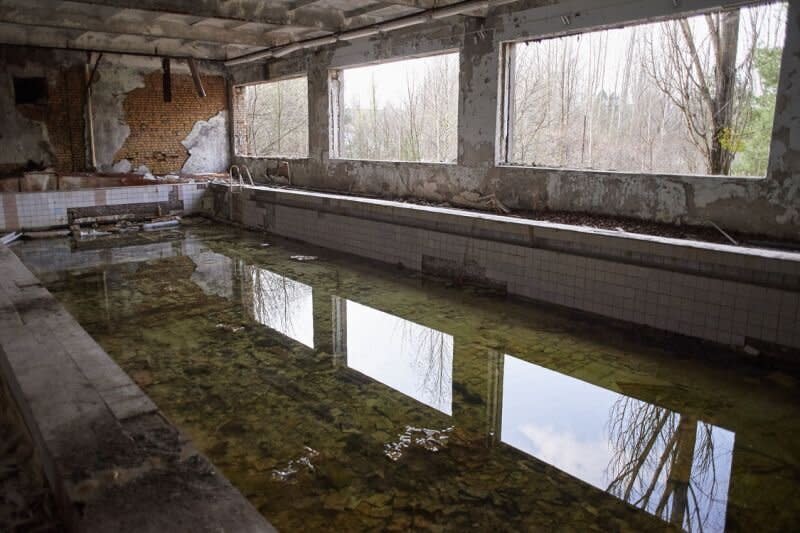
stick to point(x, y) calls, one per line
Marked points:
point(42, 135)
point(767, 206)
point(134, 129)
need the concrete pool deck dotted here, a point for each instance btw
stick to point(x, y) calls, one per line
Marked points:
point(112, 459)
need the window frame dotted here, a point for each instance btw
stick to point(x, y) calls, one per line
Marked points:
point(336, 107)
point(235, 111)
point(505, 95)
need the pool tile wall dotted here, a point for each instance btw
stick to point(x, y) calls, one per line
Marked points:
point(730, 295)
point(40, 210)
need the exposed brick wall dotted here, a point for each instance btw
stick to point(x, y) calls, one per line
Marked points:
point(158, 127)
point(64, 117)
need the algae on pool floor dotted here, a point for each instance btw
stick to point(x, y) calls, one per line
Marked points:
point(344, 394)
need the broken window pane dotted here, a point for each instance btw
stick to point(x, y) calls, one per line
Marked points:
point(400, 111)
point(691, 96)
point(271, 119)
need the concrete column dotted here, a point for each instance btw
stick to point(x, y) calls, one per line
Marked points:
point(475, 377)
point(323, 311)
point(785, 148)
point(318, 143)
point(339, 327)
point(477, 106)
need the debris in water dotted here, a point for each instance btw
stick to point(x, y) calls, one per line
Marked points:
point(285, 474)
point(47, 234)
point(10, 237)
point(92, 233)
point(265, 244)
point(430, 439)
point(304, 257)
point(171, 222)
point(228, 327)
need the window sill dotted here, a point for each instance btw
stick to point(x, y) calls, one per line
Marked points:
point(389, 161)
point(275, 157)
point(628, 173)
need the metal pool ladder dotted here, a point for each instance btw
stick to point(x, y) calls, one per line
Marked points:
point(237, 181)
point(237, 184)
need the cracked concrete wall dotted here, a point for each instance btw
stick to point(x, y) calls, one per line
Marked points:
point(766, 206)
point(28, 141)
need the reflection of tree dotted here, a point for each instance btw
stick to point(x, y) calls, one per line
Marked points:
point(661, 463)
point(274, 298)
point(432, 354)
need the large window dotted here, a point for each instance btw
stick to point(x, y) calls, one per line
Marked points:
point(271, 118)
point(693, 95)
point(399, 111)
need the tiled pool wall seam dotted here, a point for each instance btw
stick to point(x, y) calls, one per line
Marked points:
point(41, 210)
point(113, 461)
point(729, 295)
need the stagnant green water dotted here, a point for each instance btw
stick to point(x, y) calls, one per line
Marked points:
point(338, 394)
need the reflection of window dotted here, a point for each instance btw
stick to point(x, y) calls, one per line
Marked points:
point(284, 305)
point(271, 118)
point(405, 356)
point(674, 466)
point(30, 90)
point(399, 111)
point(693, 95)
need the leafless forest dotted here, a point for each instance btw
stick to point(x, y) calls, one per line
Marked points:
point(415, 121)
point(275, 119)
point(693, 95)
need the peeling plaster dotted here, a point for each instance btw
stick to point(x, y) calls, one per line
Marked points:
point(207, 145)
point(114, 82)
point(122, 166)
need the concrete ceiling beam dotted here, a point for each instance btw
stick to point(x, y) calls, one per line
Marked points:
point(43, 36)
point(329, 20)
point(156, 29)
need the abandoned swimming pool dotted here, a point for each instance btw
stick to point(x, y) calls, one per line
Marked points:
point(335, 393)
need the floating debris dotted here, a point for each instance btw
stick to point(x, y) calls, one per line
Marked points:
point(430, 439)
point(10, 237)
point(162, 224)
point(265, 244)
point(228, 327)
point(304, 257)
point(92, 233)
point(304, 461)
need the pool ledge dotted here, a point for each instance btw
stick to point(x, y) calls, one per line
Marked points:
point(112, 459)
point(745, 298)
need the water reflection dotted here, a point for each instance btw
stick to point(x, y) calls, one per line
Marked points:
point(675, 467)
point(213, 273)
point(283, 304)
point(405, 356)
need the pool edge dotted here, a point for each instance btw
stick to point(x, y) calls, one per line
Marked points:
point(112, 459)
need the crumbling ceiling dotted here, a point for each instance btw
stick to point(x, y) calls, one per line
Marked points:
point(203, 29)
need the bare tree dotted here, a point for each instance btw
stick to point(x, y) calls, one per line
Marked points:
point(663, 462)
point(276, 120)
